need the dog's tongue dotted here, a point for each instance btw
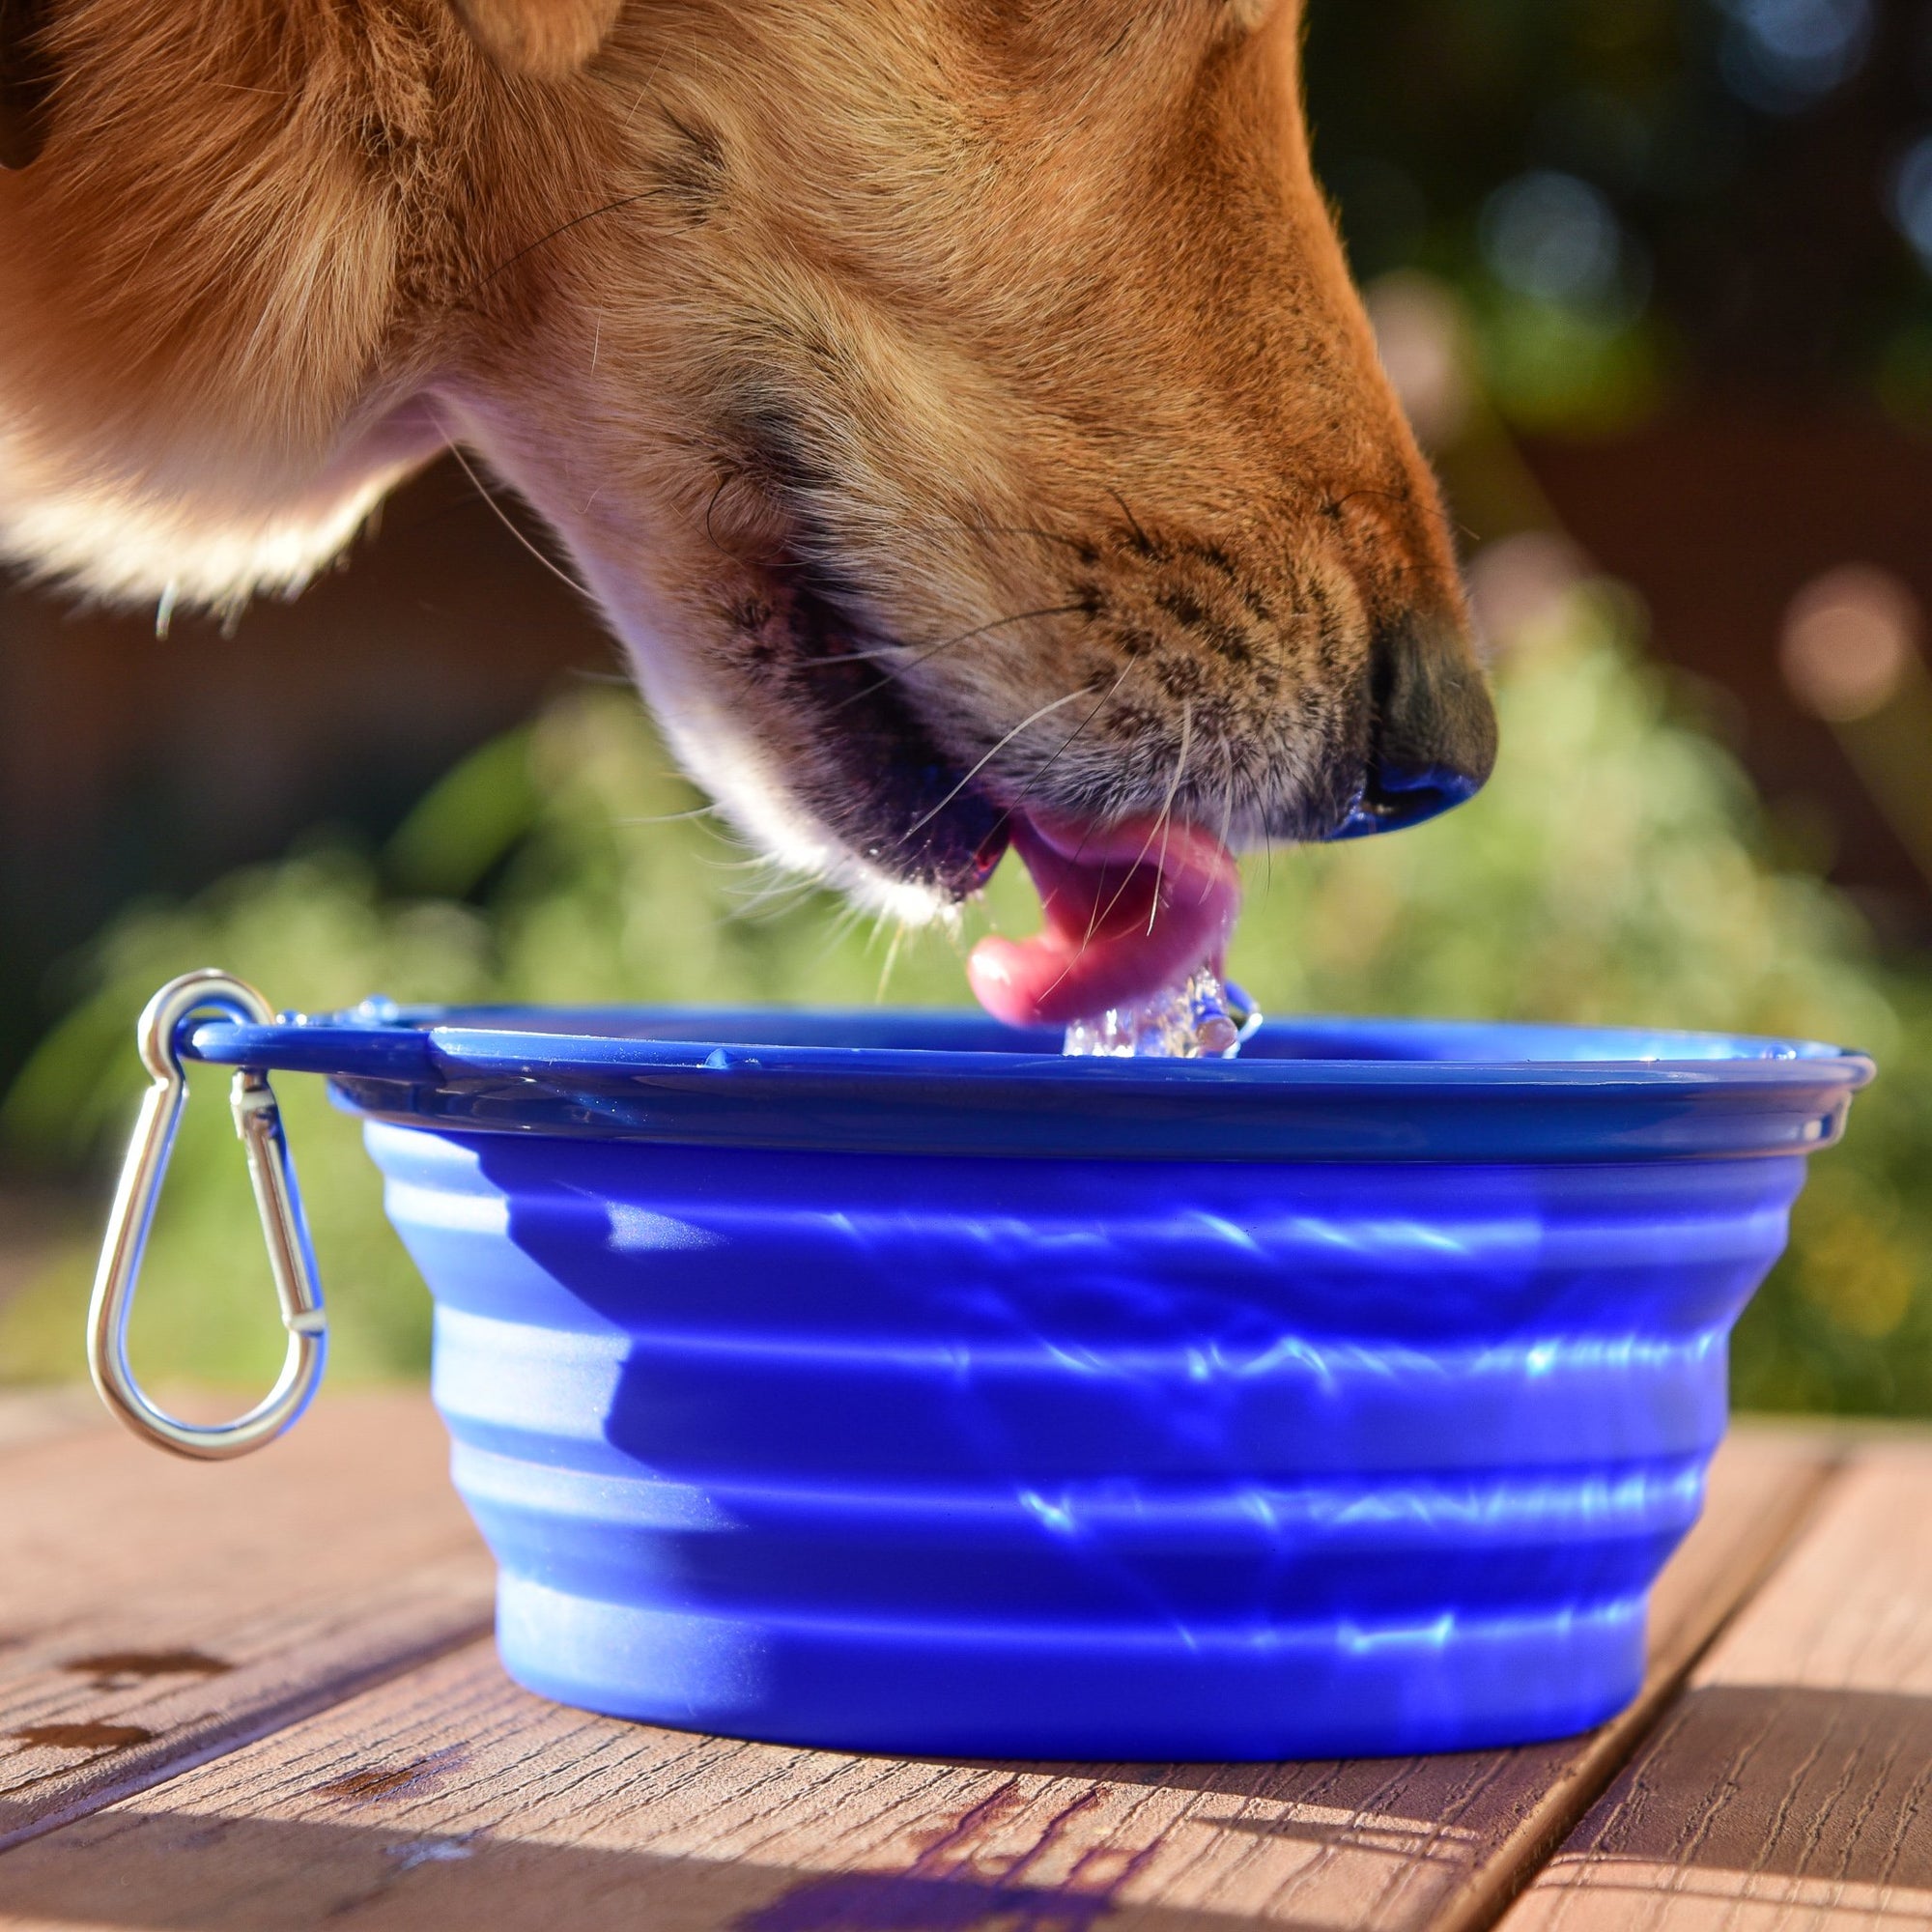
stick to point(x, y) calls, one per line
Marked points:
point(1130, 909)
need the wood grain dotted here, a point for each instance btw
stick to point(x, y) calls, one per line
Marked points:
point(447, 1798)
point(1791, 1784)
point(154, 1611)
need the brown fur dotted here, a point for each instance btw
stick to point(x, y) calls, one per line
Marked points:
point(896, 372)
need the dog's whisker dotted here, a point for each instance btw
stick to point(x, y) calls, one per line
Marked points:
point(1228, 794)
point(783, 895)
point(676, 817)
point(1112, 692)
point(1082, 726)
point(1044, 711)
point(509, 262)
point(710, 505)
point(877, 936)
point(504, 518)
point(892, 960)
point(1140, 537)
point(1158, 830)
point(1173, 793)
point(1099, 914)
point(840, 927)
point(752, 864)
point(885, 654)
point(757, 862)
point(656, 69)
point(891, 652)
point(711, 537)
point(932, 651)
point(1079, 544)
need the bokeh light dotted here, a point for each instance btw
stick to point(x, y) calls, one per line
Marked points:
point(1782, 56)
point(1912, 198)
point(1555, 237)
point(1850, 638)
point(1422, 338)
point(1521, 583)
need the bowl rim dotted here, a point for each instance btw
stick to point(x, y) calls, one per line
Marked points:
point(1358, 1089)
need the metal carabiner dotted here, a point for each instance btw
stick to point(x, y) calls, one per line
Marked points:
point(258, 1122)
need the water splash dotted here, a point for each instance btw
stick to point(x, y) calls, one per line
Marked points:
point(1203, 1018)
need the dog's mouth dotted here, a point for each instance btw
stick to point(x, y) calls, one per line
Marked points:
point(877, 780)
point(1129, 906)
point(1128, 909)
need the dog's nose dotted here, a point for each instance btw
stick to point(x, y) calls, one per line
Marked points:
point(1433, 743)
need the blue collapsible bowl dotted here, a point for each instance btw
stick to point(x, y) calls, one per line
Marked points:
point(891, 1384)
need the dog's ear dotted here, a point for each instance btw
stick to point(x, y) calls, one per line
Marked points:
point(547, 39)
point(25, 82)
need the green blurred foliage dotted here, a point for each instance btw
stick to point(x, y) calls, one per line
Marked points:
point(1611, 873)
point(594, 875)
point(318, 930)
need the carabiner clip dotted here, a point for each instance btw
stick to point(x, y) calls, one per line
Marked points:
point(258, 1125)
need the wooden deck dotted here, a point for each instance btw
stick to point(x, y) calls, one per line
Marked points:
point(263, 1696)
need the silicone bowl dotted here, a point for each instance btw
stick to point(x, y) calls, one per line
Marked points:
point(891, 1383)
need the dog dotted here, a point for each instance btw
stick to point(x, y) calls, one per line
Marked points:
point(960, 409)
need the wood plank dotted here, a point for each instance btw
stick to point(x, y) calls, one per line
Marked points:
point(155, 1612)
point(1791, 1784)
point(446, 1798)
point(29, 1416)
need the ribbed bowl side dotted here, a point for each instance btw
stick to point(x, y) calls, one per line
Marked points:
point(1079, 1458)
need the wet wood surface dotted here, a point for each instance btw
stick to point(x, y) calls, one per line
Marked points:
point(383, 1786)
point(154, 1611)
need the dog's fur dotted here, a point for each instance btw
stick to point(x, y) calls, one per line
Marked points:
point(925, 388)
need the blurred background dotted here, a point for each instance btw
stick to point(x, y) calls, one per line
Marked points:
point(1655, 280)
